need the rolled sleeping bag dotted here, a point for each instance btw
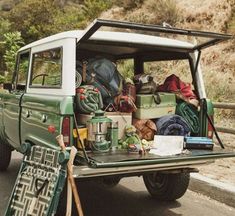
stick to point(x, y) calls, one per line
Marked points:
point(88, 99)
point(172, 125)
point(190, 115)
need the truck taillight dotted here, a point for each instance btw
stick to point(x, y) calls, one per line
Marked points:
point(66, 130)
point(210, 128)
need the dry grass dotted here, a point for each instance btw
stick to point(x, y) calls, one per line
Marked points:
point(147, 11)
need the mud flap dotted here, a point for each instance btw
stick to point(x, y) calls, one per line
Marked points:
point(39, 183)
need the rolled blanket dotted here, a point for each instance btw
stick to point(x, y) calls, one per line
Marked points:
point(172, 125)
point(88, 99)
point(190, 115)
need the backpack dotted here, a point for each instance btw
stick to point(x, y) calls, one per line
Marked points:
point(103, 74)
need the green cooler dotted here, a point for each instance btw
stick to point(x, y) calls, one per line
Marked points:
point(147, 108)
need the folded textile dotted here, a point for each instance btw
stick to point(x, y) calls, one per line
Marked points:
point(88, 99)
point(190, 115)
point(172, 125)
point(182, 90)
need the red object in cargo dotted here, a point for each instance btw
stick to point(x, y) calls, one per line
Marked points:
point(174, 84)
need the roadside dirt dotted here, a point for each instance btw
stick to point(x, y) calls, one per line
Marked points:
point(223, 169)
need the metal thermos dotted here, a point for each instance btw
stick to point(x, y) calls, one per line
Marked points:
point(112, 132)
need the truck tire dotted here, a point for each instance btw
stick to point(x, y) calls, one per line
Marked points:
point(5, 156)
point(166, 187)
point(110, 182)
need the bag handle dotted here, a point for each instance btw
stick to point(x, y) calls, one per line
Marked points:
point(156, 98)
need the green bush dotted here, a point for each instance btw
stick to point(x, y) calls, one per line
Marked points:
point(70, 18)
point(33, 18)
point(13, 41)
point(93, 8)
point(126, 68)
point(2, 79)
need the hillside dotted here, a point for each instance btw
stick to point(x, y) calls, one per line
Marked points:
point(218, 62)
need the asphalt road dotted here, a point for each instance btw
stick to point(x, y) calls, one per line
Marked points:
point(128, 198)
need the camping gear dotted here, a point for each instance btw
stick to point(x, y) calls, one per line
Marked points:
point(38, 189)
point(101, 73)
point(126, 104)
point(83, 134)
point(112, 133)
point(97, 131)
point(72, 183)
point(147, 108)
point(167, 145)
point(132, 142)
point(172, 125)
point(190, 115)
point(198, 143)
point(146, 129)
point(78, 81)
point(39, 183)
point(145, 84)
point(182, 90)
point(122, 120)
point(126, 101)
point(88, 99)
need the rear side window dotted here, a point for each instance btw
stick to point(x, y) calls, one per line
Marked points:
point(47, 69)
point(20, 76)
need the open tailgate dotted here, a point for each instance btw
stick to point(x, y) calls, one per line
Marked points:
point(122, 162)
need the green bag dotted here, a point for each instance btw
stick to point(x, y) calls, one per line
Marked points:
point(190, 115)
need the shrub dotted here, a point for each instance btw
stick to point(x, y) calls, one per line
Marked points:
point(93, 8)
point(164, 11)
point(33, 18)
point(131, 4)
point(2, 79)
point(13, 41)
point(125, 67)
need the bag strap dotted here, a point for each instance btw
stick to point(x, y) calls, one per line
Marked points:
point(84, 68)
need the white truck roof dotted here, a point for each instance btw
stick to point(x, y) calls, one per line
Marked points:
point(122, 37)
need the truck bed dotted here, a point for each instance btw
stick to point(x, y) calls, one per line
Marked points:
point(122, 162)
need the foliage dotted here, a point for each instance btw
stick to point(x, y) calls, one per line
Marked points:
point(37, 19)
point(131, 4)
point(5, 26)
point(93, 8)
point(13, 41)
point(2, 79)
point(71, 17)
point(33, 18)
point(165, 11)
point(125, 67)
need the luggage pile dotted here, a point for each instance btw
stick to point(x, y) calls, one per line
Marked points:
point(152, 109)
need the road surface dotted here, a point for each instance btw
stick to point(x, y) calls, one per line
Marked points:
point(128, 198)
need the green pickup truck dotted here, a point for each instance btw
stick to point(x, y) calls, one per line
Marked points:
point(39, 104)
